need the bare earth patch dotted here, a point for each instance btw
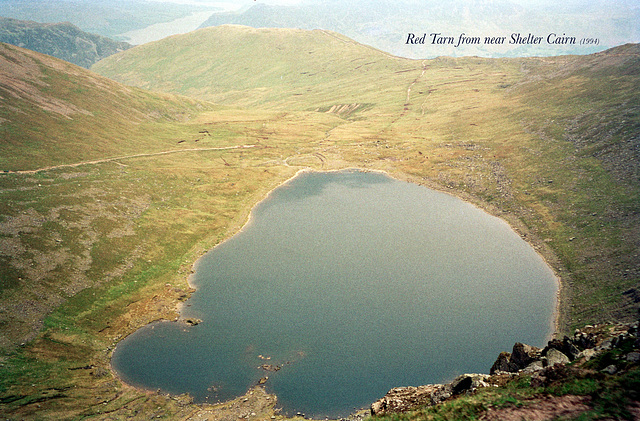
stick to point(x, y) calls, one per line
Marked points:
point(548, 408)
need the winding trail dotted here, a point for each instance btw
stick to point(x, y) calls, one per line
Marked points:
point(408, 100)
point(117, 158)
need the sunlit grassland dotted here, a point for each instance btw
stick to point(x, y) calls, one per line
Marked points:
point(584, 175)
point(300, 69)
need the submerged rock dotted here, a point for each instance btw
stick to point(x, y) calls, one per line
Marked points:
point(193, 321)
point(270, 367)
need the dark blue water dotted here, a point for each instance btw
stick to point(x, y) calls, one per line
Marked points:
point(354, 283)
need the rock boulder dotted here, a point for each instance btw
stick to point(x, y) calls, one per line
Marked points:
point(523, 355)
point(402, 399)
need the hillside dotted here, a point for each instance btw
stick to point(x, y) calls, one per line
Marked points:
point(109, 18)
point(109, 193)
point(53, 112)
point(228, 65)
point(62, 40)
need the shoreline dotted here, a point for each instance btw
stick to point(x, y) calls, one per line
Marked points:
point(248, 220)
point(517, 226)
point(519, 229)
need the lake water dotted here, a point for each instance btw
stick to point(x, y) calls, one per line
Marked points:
point(353, 283)
point(182, 25)
point(162, 30)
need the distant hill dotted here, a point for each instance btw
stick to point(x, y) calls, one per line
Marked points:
point(53, 112)
point(62, 40)
point(109, 18)
point(385, 24)
point(229, 65)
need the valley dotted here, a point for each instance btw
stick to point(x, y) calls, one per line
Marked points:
point(116, 180)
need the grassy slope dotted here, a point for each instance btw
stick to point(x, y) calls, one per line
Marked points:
point(56, 113)
point(103, 248)
point(552, 141)
point(243, 66)
point(584, 115)
point(113, 241)
point(62, 40)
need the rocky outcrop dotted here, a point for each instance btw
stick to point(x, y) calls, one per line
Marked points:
point(585, 344)
point(403, 399)
point(192, 321)
point(531, 359)
point(554, 357)
point(545, 365)
point(523, 355)
point(468, 383)
point(519, 358)
point(503, 363)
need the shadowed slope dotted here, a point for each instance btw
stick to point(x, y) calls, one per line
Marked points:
point(61, 40)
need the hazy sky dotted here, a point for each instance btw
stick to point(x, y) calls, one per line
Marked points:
point(241, 3)
point(231, 5)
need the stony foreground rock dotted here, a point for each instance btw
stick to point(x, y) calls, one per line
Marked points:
point(402, 399)
point(544, 363)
